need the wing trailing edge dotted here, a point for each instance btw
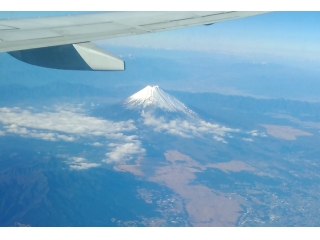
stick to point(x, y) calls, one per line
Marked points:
point(80, 56)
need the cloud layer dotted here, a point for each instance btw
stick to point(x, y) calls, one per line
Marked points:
point(123, 151)
point(17, 121)
point(78, 163)
point(187, 129)
point(70, 124)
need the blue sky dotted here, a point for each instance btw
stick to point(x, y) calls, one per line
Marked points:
point(290, 36)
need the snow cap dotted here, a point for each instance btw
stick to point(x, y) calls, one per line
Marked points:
point(155, 96)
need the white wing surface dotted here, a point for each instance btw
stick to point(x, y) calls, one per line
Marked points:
point(45, 41)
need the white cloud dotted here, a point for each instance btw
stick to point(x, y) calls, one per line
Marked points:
point(79, 163)
point(219, 139)
point(69, 123)
point(2, 133)
point(84, 166)
point(65, 138)
point(14, 128)
point(63, 121)
point(48, 136)
point(49, 125)
point(123, 151)
point(247, 139)
point(255, 133)
point(97, 144)
point(187, 129)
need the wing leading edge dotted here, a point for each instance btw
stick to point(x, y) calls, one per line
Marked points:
point(64, 42)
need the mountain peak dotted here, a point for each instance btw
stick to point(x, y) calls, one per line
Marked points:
point(155, 97)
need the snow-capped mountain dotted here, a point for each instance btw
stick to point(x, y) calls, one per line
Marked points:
point(153, 111)
point(152, 98)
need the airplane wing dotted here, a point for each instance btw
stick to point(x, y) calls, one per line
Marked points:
point(63, 42)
